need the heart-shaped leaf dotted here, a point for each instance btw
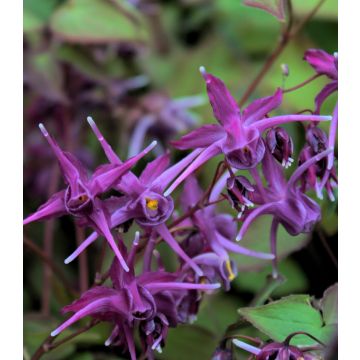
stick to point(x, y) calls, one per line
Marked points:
point(289, 315)
point(329, 305)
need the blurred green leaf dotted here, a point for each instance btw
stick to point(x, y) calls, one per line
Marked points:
point(188, 342)
point(296, 280)
point(257, 238)
point(94, 22)
point(329, 305)
point(217, 321)
point(328, 10)
point(31, 22)
point(294, 313)
point(41, 9)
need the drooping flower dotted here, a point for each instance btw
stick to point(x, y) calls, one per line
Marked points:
point(283, 199)
point(143, 198)
point(81, 196)
point(238, 135)
point(274, 350)
point(279, 350)
point(132, 300)
point(322, 174)
point(280, 145)
point(324, 64)
point(216, 232)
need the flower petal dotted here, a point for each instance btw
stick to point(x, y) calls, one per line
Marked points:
point(225, 108)
point(322, 62)
point(199, 138)
point(154, 169)
point(54, 207)
point(261, 107)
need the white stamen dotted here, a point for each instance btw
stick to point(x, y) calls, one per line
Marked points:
point(158, 349)
point(336, 54)
point(239, 215)
point(137, 238)
point(43, 129)
point(283, 163)
point(192, 319)
point(202, 70)
point(167, 193)
point(291, 159)
point(107, 342)
point(55, 333)
point(242, 208)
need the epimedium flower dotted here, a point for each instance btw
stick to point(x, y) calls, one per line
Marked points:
point(279, 350)
point(327, 65)
point(132, 299)
point(285, 201)
point(280, 145)
point(276, 351)
point(238, 135)
point(322, 174)
point(218, 232)
point(81, 196)
point(143, 198)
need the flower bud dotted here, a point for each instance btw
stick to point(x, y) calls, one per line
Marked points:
point(239, 189)
point(280, 145)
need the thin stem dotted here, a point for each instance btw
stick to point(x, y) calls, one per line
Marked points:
point(49, 262)
point(269, 287)
point(327, 248)
point(98, 277)
point(302, 84)
point(287, 35)
point(83, 264)
point(273, 241)
point(49, 344)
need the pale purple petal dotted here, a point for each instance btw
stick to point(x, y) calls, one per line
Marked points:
point(266, 123)
point(261, 107)
point(202, 137)
point(205, 155)
point(154, 169)
point(54, 207)
point(164, 232)
point(324, 94)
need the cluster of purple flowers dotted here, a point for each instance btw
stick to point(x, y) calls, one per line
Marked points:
point(203, 239)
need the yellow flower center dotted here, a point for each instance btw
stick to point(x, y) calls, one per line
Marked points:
point(229, 269)
point(152, 204)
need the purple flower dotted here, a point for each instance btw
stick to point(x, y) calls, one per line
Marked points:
point(143, 198)
point(280, 145)
point(317, 142)
point(238, 135)
point(145, 298)
point(274, 350)
point(81, 197)
point(324, 64)
point(218, 232)
point(284, 199)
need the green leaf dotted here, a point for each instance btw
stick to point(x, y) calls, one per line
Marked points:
point(286, 316)
point(296, 280)
point(96, 22)
point(41, 9)
point(329, 305)
point(31, 22)
point(273, 7)
point(188, 342)
point(257, 238)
